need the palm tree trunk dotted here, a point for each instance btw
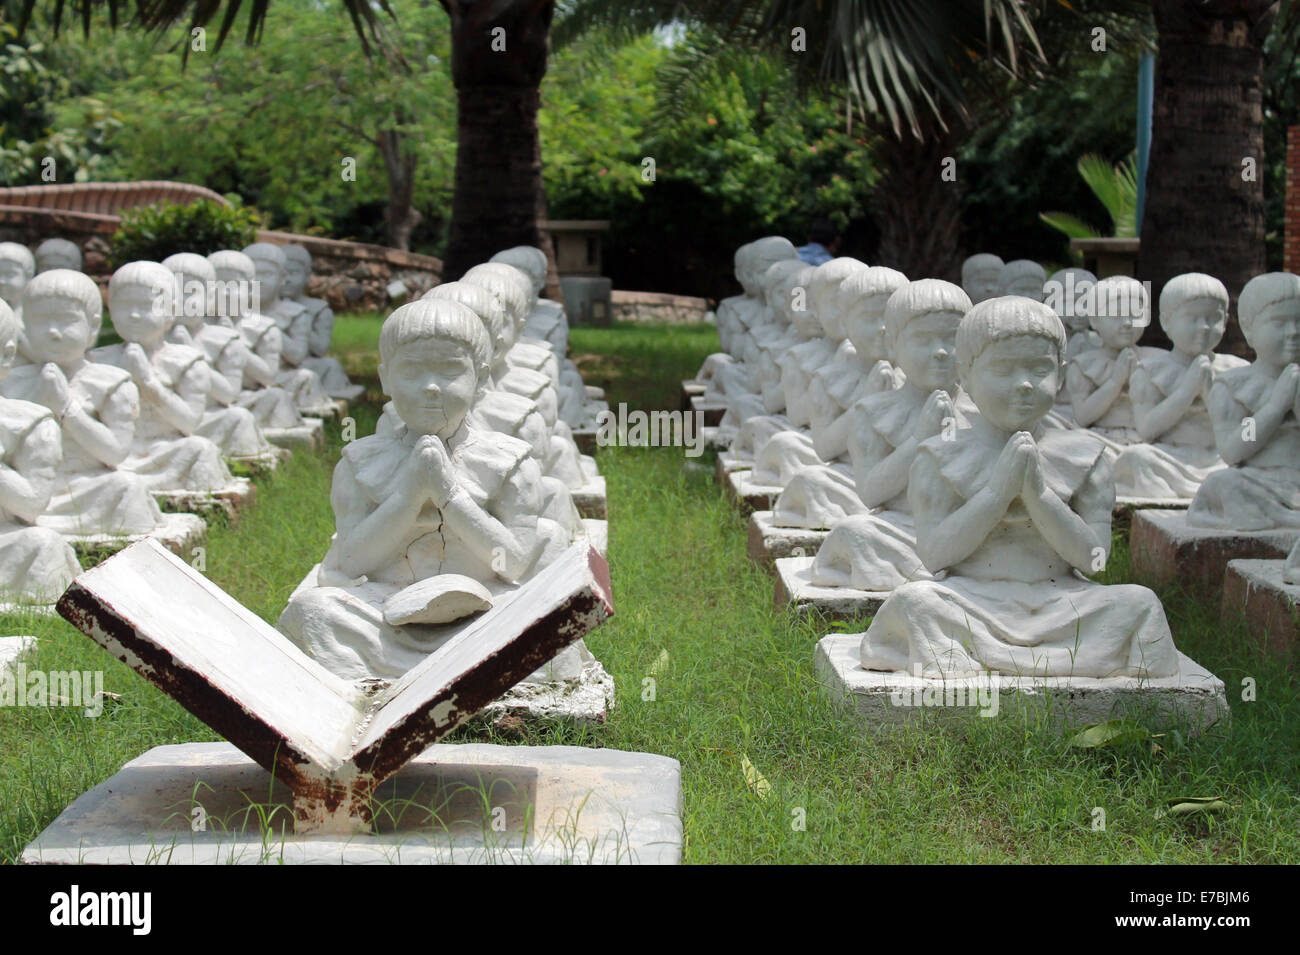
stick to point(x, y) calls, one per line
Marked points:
point(919, 210)
point(499, 199)
point(1205, 184)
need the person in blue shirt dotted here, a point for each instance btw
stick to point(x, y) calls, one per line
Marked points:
point(823, 243)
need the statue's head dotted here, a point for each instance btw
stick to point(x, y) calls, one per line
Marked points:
point(483, 304)
point(826, 279)
point(58, 254)
point(1269, 312)
point(1068, 292)
point(297, 270)
point(980, 275)
point(62, 313)
point(269, 261)
point(142, 299)
point(921, 320)
point(512, 288)
point(529, 260)
point(1011, 356)
point(785, 288)
point(1121, 309)
point(766, 252)
point(1194, 312)
point(861, 300)
point(742, 266)
point(17, 266)
point(433, 362)
point(1022, 277)
point(195, 276)
point(236, 284)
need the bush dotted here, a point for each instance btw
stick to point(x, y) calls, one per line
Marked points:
point(155, 232)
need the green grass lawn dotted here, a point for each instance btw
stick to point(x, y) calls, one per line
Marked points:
point(710, 674)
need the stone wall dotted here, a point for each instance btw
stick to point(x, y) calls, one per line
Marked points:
point(351, 276)
point(645, 307)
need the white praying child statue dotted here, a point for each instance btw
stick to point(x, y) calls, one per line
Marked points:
point(95, 404)
point(546, 322)
point(1069, 294)
point(1009, 517)
point(58, 254)
point(17, 266)
point(294, 323)
point(297, 272)
point(860, 300)
point(235, 303)
point(981, 275)
point(1022, 277)
point(1097, 380)
point(1169, 391)
point(872, 543)
point(36, 563)
point(231, 426)
point(1253, 410)
point(433, 519)
point(173, 382)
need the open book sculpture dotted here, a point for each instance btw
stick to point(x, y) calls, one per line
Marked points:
point(330, 741)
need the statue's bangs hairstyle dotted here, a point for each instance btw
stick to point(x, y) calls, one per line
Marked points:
point(980, 260)
point(1018, 269)
point(510, 285)
point(477, 299)
point(529, 260)
point(187, 266)
point(265, 252)
point(771, 249)
point(1119, 296)
point(1181, 289)
point(20, 254)
point(438, 319)
point(1263, 291)
point(155, 276)
point(919, 298)
point(293, 252)
point(826, 279)
point(232, 260)
point(73, 286)
point(1008, 316)
point(62, 248)
point(778, 272)
point(873, 280)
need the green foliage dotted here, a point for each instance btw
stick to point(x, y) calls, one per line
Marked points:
point(157, 231)
point(275, 122)
point(1115, 188)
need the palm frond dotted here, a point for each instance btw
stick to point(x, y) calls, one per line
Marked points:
point(160, 14)
point(1071, 225)
point(1115, 188)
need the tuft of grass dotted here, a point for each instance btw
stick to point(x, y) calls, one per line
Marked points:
point(710, 673)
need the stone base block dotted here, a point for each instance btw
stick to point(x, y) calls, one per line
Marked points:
point(1271, 606)
point(11, 648)
point(729, 461)
point(1166, 551)
point(598, 534)
point(310, 436)
point(229, 502)
point(715, 438)
point(750, 497)
point(796, 591)
point(710, 412)
point(584, 701)
point(767, 542)
point(336, 409)
point(590, 499)
point(1194, 697)
point(179, 533)
point(585, 439)
point(691, 389)
point(455, 803)
point(259, 465)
